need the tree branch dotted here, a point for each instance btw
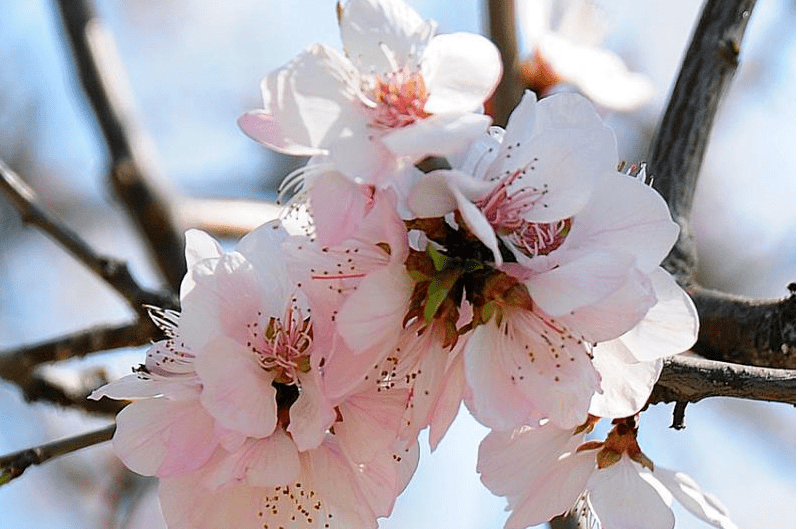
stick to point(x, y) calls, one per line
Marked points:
point(677, 150)
point(132, 173)
point(502, 31)
point(113, 271)
point(13, 465)
point(687, 379)
point(231, 218)
point(745, 331)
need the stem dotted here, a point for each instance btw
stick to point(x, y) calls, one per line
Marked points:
point(502, 31)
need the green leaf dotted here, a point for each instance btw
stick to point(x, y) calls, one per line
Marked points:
point(438, 290)
point(439, 260)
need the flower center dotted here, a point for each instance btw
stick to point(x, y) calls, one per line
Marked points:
point(504, 208)
point(283, 347)
point(400, 97)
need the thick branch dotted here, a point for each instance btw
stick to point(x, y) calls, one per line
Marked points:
point(745, 331)
point(132, 174)
point(681, 140)
point(113, 271)
point(13, 465)
point(690, 379)
point(502, 31)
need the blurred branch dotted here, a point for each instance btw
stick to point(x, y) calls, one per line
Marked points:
point(132, 174)
point(678, 148)
point(13, 465)
point(114, 272)
point(502, 31)
point(745, 331)
point(231, 218)
point(17, 365)
point(38, 389)
point(686, 379)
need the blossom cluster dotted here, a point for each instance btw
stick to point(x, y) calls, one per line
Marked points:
point(427, 259)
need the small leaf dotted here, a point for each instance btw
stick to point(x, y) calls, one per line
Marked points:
point(438, 290)
point(439, 260)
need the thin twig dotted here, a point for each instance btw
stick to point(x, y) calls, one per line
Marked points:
point(502, 31)
point(690, 379)
point(39, 389)
point(113, 271)
point(231, 218)
point(13, 465)
point(133, 175)
point(746, 331)
point(677, 150)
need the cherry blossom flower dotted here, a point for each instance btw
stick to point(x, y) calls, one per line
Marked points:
point(229, 410)
point(544, 470)
point(569, 49)
point(582, 244)
point(397, 94)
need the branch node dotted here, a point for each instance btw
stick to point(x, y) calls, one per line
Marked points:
point(678, 415)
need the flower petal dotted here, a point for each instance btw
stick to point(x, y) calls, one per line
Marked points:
point(669, 327)
point(311, 415)
point(689, 494)
point(236, 391)
point(625, 387)
point(437, 135)
point(460, 71)
point(621, 499)
point(370, 26)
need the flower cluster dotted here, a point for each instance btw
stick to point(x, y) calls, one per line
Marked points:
point(518, 274)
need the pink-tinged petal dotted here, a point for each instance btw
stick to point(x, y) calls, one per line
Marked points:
point(385, 476)
point(307, 103)
point(373, 314)
point(495, 400)
point(580, 282)
point(136, 386)
point(370, 26)
point(626, 215)
point(621, 499)
point(346, 371)
point(669, 327)
point(199, 246)
point(371, 422)
point(625, 387)
point(187, 503)
point(687, 492)
point(548, 365)
point(337, 485)
point(266, 129)
point(267, 462)
point(311, 415)
point(460, 72)
point(613, 315)
point(237, 391)
point(432, 196)
point(437, 135)
point(555, 493)
point(162, 437)
point(448, 401)
point(511, 461)
point(224, 299)
point(478, 225)
point(339, 205)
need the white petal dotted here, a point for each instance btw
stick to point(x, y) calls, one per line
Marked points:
point(460, 71)
point(689, 494)
point(478, 225)
point(236, 390)
point(625, 386)
point(669, 327)
point(585, 280)
point(311, 415)
point(339, 205)
point(199, 246)
point(432, 196)
point(621, 499)
point(368, 25)
point(373, 314)
point(438, 135)
point(163, 437)
point(136, 387)
point(309, 102)
point(628, 216)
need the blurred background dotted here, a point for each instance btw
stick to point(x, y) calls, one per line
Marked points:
point(195, 66)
